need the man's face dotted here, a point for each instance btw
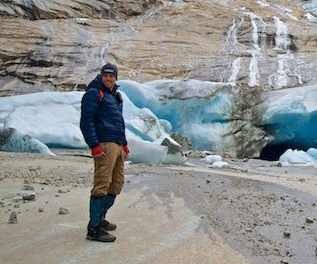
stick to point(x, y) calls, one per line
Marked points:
point(108, 80)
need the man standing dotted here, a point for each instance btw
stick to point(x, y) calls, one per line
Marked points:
point(103, 128)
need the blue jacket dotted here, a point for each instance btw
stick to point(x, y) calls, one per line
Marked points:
point(101, 118)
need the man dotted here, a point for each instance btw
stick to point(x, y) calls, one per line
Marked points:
point(103, 128)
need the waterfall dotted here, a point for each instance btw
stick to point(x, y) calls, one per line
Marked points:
point(254, 73)
point(104, 50)
point(255, 37)
point(236, 65)
point(230, 44)
point(232, 39)
point(282, 43)
point(282, 39)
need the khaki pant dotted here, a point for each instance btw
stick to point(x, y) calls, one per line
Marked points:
point(109, 170)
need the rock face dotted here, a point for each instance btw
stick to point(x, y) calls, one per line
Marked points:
point(59, 9)
point(255, 46)
point(60, 45)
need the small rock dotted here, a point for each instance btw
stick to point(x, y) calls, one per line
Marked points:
point(278, 164)
point(309, 220)
point(284, 261)
point(28, 187)
point(63, 191)
point(302, 180)
point(17, 200)
point(287, 233)
point(63, 211)
point(267, 222)
point(28, 196)
point(207, 181)
point(13, 219)
point(41, 210)
point(56, 195)
point(16, 206)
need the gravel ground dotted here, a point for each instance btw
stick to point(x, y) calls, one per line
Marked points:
point(262, 210)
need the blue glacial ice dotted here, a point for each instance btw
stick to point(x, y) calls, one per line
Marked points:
point(291, 115)
point(201, 111)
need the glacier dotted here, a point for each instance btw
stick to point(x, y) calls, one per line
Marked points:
point(204, 112)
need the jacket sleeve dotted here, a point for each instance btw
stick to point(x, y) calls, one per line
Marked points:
point(89, 108)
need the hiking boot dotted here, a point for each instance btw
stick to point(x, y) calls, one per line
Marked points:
point(99, 234)
point(108, 226)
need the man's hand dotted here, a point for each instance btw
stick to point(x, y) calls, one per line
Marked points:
point(97, 151)
point(126, 151)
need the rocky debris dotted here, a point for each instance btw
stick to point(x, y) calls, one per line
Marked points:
point(197, 153)
point(13, 219)
point(309, 220)
point(28, 196)
point(173, 147)
point(37, 168)
point(287, 234)
point(28, 187)
point(267, 222)
point(63, 191)
point(183, 141)
point(175, 153)
point(63, 211)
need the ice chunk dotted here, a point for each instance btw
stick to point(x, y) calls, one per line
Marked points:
point(296, 157)
point(219, 164)
point(213, 158)
point(146, 152)
point(55, 125)
point(312, 152)
point(12, 140)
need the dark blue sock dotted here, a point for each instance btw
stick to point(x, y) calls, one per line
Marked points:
point(96, 210)
point(108, 201)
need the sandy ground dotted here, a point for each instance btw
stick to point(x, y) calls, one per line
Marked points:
point(253, 212)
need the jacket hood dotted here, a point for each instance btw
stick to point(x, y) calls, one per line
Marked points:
point(98, 84)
